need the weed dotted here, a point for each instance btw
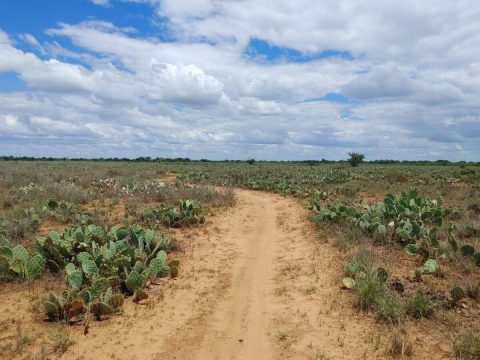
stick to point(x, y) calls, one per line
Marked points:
point(310, 290)
point(68, 193)
point(18, 228)
point(451, 318)
point(474, 205)
point(282, 336)
point(61, 340)
point(291, 269)
point(347, 238)
point(281, 291)
point(395, 177)
point(9, 200)
point(347, 190)
point(22, 339)
point(318, 355)
point(472, 288)
point(364, 259)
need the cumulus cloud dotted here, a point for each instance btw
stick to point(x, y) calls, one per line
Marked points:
point(183, 83)
point(409, 90)
point(10, 124)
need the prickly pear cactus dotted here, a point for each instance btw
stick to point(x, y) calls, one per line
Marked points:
point(164, 271)
point(74, 276)
point(173, 271)
point(156, 267)
point(467, 250)
point(6, 252)
point(349, 283)
point(457, 294)
point(35, 266)
point(140, 295)
point(96, 261)
point(138, 267)
point(162, 256)
point(19, 260)
point(98, 287)
point(83, 256)
point(134, 281)
point(430, 266)
point(52, 310)
point(54, 307)
point(90, 268)
point(116, 301)
point(105, 309)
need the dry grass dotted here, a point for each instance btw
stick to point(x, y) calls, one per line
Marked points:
point(399, 344)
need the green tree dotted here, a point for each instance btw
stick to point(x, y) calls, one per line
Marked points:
point(355, 158)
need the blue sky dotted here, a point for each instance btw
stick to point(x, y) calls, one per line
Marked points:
point(227, 79)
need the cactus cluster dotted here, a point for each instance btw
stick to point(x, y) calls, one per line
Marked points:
point(98, 262)
point(409, 219)
point(15, 261)
point(186, 213)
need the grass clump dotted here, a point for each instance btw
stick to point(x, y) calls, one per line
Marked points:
point(420, 305)
point(472, 288)
point(370, 289)
point(61, 340)
point(388, 307)
point(399, 344)
point(347, 238)
point(466, 346)
point(369, 292)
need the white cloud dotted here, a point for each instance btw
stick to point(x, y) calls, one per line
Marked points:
point(413, 82)
point(11, 125)
point(32, 41)
point(183, 83)
point(4, 38)
point(382, 81)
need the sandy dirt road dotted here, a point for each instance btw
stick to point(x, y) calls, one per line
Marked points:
point(257, 282)
point(241, 326)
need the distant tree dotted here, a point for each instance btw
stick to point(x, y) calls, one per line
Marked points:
point(251, 161)
point(355, 158)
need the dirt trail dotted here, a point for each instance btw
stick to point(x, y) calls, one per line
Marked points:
point(240, 327)
point(257, 282)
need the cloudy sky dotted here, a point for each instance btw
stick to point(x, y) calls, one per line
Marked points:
point(283, 79)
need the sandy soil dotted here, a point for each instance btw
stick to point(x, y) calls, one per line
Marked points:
point(256, 282)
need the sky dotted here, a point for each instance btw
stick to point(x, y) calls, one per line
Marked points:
point(239, 79)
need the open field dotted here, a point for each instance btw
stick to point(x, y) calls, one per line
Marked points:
point(238, 260)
